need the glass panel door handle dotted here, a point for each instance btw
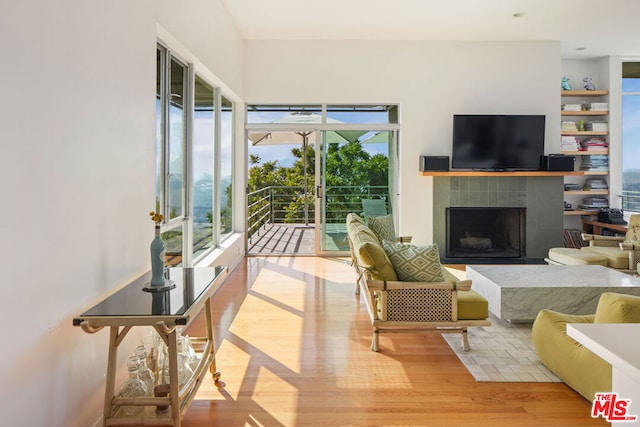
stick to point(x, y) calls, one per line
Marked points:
point(318, 191)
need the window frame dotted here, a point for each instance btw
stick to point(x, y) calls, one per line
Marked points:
point(626, 198)
point(186, 219)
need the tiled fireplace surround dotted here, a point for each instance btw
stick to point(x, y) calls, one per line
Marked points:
point(542, 196)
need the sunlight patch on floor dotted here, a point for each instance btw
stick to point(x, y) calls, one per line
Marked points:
point(235, 360)
point(281, 287)
point(281, 321)
point(282, 404)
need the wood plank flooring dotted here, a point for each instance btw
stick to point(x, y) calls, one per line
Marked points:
point(292, 345)
point(283, 239)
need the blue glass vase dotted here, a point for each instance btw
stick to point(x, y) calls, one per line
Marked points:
point(157, 260)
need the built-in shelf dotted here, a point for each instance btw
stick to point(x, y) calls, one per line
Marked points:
point(588, 192)
point(580, 212)
point(586, 153)
point(584, 92)
point(584, 113)
point(572, 196)
point(516, 173)
point(584, 132)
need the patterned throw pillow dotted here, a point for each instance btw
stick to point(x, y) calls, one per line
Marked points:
point(414, 263)
point(633, 236)
point(382, 227)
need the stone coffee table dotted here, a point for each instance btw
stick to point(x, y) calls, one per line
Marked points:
point(518, 292)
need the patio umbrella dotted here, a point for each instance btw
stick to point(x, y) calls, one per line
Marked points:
point(306, 137)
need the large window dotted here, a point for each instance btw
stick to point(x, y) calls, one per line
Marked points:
point(226, 167)
point(193, 160)
point(203, 166)
point(631, 136)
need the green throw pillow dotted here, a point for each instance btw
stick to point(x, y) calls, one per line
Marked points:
point(414, 263)
point(382, 227)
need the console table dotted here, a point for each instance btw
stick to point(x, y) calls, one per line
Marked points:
point(188, 291)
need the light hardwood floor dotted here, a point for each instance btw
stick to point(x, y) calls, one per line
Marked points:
point(292, 345)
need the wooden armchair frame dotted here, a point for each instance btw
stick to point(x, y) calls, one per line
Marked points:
point(396, 306)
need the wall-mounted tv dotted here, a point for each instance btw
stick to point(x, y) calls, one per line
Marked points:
point(498, 142)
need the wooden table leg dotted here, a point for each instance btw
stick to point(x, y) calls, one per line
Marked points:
point(209, 325)
point(111, 374)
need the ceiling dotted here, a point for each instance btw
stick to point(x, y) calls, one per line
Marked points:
point(585, 28)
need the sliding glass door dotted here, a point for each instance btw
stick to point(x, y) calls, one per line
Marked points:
point(351, 165)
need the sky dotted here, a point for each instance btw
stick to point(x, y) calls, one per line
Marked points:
point(282, 152)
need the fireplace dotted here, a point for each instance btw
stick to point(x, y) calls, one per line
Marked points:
point(485, 232)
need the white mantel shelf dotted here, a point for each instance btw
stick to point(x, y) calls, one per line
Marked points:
point(517, 173)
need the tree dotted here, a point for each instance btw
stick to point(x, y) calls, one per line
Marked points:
point(350, 172)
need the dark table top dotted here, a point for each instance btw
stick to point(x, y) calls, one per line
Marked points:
point(138, 303)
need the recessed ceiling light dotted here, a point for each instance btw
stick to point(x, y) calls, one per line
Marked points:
point(519, 14)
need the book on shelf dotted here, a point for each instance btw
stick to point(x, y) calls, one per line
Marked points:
point(572, 107)
point(595, 162)
point(569, 125)
point(594, 144)
point(573, 238)
point(597, 126)
point(569, 143)
point(598, 106)
point(595, 202)
point(592, 184)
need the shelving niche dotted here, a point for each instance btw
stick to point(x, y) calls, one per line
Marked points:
point(585, 98)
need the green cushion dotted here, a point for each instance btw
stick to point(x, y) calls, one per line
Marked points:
point(369, 252)
point(382, 227)
point(415, 263)
point(472, 306)
point(616, 258)
point(577, 366)
point(618, 308)
point(573, 256)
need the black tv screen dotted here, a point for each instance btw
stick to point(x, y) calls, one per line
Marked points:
point(498, 142)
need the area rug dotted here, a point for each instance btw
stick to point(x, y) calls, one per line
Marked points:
point(502, 352)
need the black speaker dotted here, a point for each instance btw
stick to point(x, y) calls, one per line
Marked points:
point(434, 163)
point(558, 162)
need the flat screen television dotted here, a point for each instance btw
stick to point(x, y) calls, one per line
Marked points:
point(498, 142)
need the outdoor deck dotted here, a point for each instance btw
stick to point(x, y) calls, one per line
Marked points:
point(295, 239)
point(283, 239)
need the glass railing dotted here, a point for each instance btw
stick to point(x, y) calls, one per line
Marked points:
point(631, 200)
point(286, 205)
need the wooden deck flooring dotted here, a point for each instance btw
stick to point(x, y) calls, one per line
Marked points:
point(293, 349)
point(283, 239)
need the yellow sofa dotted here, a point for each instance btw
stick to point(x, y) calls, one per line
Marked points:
point(620, 253)
point(577, 366)
point(445, 305)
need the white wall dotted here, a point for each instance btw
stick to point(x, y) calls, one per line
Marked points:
point(78, 148)
point(431, 81)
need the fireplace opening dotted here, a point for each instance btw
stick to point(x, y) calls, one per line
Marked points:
point(485, 232)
